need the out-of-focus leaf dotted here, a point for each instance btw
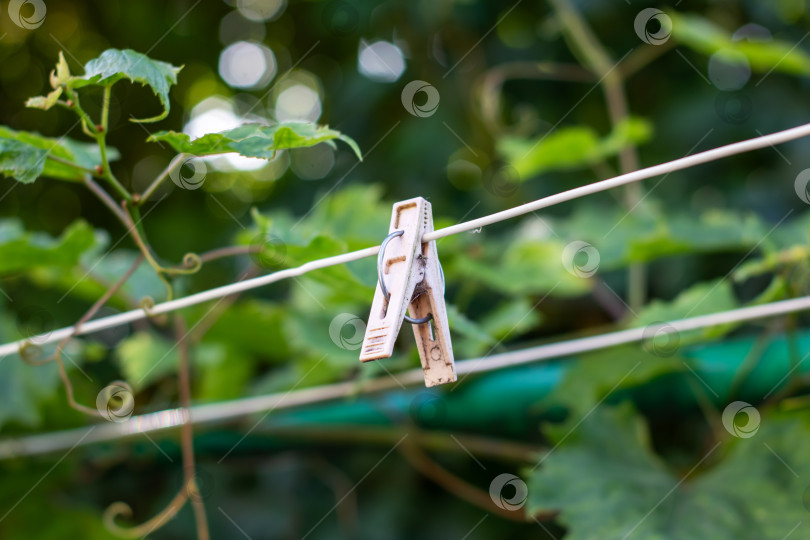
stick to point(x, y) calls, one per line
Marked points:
point(608, 483)
point(114, 65)
point(29, 150)
point(340, 278)
point(511, 319)
point(255, 140)
point(66, 519)
point(645, 235)
point(528, 265)
point(700, 299)
point(252, 326)
point(469, 338)
point(145, 357)
point(570, 147)
point(21, 161)
point(21, 250)
point(704, 36)
point(97, 270)
point(594, 377)
point(223, 371)
point(23, 387)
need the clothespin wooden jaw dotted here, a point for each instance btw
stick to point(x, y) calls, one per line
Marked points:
point(410, 273)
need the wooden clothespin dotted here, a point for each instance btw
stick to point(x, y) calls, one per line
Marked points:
point(410, 278)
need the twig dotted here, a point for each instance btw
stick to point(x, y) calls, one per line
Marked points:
point(57, 355)
point(173, 164)
point(187, 430)
point(459, 487)
point(106, 199)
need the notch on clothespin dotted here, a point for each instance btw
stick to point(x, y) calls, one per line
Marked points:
point(409, 277)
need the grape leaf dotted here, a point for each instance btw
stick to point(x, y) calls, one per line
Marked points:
point(21, 161)
point(23, 388)
point(145, 357)
point(255, 140)
point(20, 251)
point(608, 483)
point(595, 377)
point(23, 156)
point(651, 233)
point(44, 102)
point(569, 147)
point(114, 65)
point(704, 36)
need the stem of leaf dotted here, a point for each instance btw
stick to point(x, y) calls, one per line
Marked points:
point(71, 164)
point(88, 127)
point(101, 140)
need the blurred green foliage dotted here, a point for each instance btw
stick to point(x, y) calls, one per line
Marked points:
point(519, 118)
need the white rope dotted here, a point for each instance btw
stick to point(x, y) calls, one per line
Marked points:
point(213, 413)
point(225, 290)
point(642, 174)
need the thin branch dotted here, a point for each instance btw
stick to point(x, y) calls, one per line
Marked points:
point(57, 355)
point(173, 164)
point(106, 199)
point(458, 486)
point(643, 56)
point(187, 430)
point(435, 441)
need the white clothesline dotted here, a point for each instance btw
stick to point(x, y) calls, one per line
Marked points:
point(230, 410)
point(241, 286)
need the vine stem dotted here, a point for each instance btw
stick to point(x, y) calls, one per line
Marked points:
point(101, 140)
point(106, 199)
point(584, 43)
point(57, 355)
point(170, 168)
point(187, 430)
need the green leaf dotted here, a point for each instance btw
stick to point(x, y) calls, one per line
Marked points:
point(21, 161)
point(29, 163)
point(608, 483)
point(252, 326)
point(21, 251)
point(23, 388)
point(705, 37)
point(570, 147)
point(224, 371)
point(114, 65)
point(145, 357)
point(594, 377)
point(700, 299)
point(45, 102)
point(647, 234)
point(528, 265)
point(255, 140)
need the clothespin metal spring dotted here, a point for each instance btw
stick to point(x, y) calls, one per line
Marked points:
point(383, 288)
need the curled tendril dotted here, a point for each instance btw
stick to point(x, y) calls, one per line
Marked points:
point(122, 509)
point(31, 354)
point(192, 262)
point(112, 391)
point(191, 265)
point(147, 303)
